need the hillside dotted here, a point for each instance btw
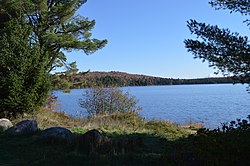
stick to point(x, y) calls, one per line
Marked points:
point(114, 78)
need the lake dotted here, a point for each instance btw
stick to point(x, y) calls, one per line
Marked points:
point(209, 104)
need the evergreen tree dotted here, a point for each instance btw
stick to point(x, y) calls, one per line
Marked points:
point(228, 52)
point(33, 36)
point(56, 28)
point(24, 80)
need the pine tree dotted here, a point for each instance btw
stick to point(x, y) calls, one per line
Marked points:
point(56, 28)
point(34, 34)
point(24, 80)
point(228, 52)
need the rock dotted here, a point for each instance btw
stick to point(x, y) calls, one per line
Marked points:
point(57, 133)
point(5, 124)
point(93, 136)
point(94, 141)
point(25, 127)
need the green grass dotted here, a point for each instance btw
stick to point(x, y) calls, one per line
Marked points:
point(126, 149)
point(134, 141)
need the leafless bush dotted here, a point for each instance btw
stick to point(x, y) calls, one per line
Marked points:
point(101, 101)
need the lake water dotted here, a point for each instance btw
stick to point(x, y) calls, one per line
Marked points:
point(183, 104)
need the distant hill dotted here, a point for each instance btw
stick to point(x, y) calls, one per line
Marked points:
point(114, 78)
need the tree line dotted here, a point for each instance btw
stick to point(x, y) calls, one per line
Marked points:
point(69, 80)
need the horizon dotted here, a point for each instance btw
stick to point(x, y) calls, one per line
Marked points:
point(215, 76)
point(149, 39)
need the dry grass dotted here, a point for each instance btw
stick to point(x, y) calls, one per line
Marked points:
point(49, 118)
point(116, 123)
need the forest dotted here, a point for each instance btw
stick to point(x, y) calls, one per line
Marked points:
point(66, 80)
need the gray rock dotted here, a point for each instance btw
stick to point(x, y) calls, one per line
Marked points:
point(25, 127)
point(57, 133)
point(5, 124)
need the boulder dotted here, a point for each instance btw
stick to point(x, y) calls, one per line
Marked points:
point(57, 133)
point(93, 136)
point(25, 127)
point(5, 124)
point(93, 141)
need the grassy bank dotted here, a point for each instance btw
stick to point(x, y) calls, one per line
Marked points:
point(134, 142)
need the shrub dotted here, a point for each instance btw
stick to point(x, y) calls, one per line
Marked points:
point(101, 101)
point(228, 145)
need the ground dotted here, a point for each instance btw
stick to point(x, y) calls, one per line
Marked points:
point(134, 141)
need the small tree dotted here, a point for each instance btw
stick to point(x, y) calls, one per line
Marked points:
point(101, 101)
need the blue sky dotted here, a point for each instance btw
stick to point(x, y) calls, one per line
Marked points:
point(146, 37)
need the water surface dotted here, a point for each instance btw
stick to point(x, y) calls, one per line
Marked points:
point(183, 104)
